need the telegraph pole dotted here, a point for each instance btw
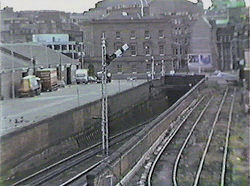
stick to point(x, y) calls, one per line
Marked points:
point(105, 133)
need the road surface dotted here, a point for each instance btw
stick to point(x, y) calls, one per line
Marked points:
point(24, 111)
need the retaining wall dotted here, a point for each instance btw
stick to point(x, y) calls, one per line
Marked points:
point(44, 141)
point(119, 163)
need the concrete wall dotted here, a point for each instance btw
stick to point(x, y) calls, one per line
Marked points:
point(46, 140)
point(129, 154)
point(6, 83)
point(56, 137)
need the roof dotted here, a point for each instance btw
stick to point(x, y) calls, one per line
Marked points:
point(25, 51)
point(222, 21)
point(6, 62)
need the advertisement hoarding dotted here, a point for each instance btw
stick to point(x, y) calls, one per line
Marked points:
point(199, 61)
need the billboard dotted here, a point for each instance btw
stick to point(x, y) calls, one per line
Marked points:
point(199, 61)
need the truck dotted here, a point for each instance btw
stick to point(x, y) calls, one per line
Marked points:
point(30, 86)
point(48, 78)
point(82, 76)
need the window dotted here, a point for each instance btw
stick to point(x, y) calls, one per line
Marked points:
point(132, 35)
point(176, 51)
point(118, 35)
point(161, 34)
point(148, 67)
point(57, 47)
point(133, 49)
point(225, 38)
point(161, 49)
point(147, 49)
point(133, 68)
point(146, 34)
point(64, 47)
point(119, 68)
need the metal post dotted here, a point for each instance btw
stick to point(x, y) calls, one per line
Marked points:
point(153, 68)
point(162, 68)
point(82, 62)
point(119, 84)
point(105, 135)
point(47, 56)
point(142, 12)
point(172, 64)
point(12, 75)
point(78, 100)
point(179, 56)
point(231, 55)
point(60, 67)
point(222, 57)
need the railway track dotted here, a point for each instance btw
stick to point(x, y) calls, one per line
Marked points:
point(51, 172)
point(177, 161)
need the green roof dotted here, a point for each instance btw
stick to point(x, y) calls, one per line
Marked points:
point(229, 4)
point(222, 21)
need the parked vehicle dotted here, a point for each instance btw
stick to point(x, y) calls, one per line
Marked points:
point(30, 86)
point(48, 78)
point(82, 76)
point(92, 79)
point(99, 77)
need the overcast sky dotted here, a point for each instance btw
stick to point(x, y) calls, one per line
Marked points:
point(63, 5)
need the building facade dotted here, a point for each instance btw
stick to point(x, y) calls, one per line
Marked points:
point(59, 43)
point(165, 37)
point(230, 21)
point(17, 27)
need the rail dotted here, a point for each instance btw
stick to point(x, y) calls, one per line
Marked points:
point(74, 156)
point(186, 141)
point(170, 137)
point(197, 177)
point(223, 172)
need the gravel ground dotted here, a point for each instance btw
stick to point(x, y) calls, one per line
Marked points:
point(238, 158)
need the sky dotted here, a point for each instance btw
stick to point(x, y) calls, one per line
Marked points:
point(63, 5)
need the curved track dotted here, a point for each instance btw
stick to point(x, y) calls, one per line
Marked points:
point(179, 141)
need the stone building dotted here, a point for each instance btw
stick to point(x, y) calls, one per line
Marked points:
point(17, 27)
point(163, 34)
point(230, 21)
point(203, 52)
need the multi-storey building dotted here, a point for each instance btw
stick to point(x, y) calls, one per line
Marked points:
point(163, 35)
point(19, 27)
point(231, 24)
